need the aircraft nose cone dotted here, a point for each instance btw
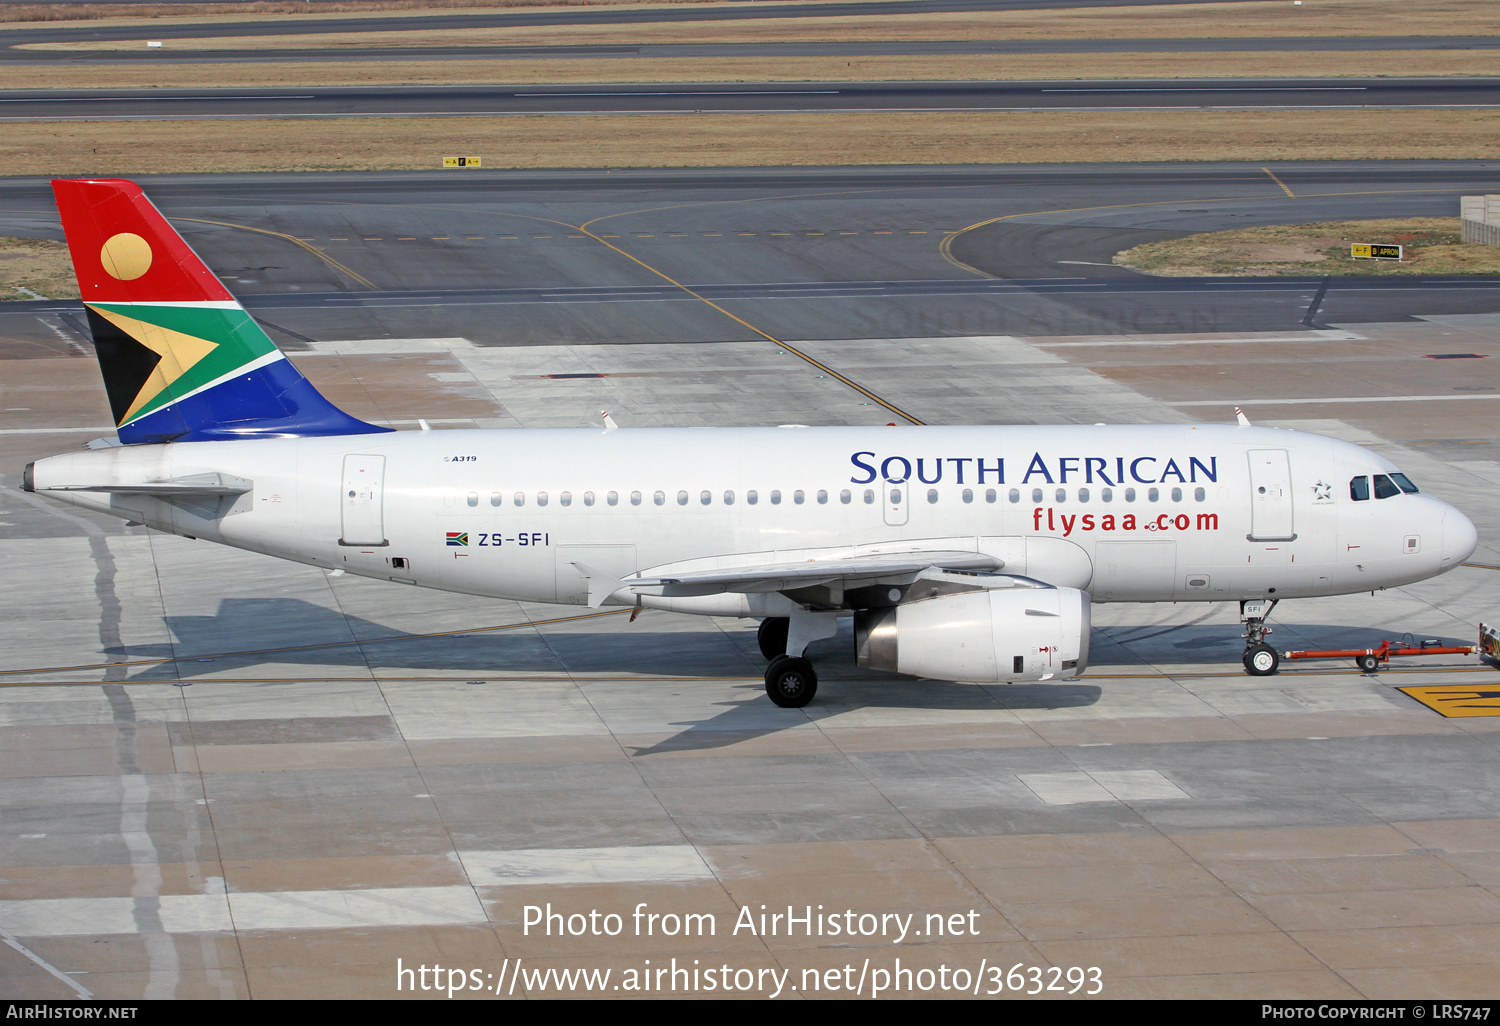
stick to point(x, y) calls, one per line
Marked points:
point(1460, 539)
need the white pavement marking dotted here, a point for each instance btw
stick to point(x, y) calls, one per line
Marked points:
point(585, 865)
point(379, 906)
point(272, 910)
point(1138, 785)
point(355, 346)
point(87, 917)
point(1101, 786)
point(1065, 788)
point(34, 958)
point(1336, 399)
point(96, 430)
point(1312, 336)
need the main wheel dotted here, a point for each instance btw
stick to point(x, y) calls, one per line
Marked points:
point(1367, 663)
point(1261, 660)
point(772, 636)
point(791, 682)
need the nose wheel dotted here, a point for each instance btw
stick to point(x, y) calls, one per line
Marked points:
point(791, 682)
point(1260, 659)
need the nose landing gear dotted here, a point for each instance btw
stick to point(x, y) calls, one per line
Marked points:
point(1261, 660)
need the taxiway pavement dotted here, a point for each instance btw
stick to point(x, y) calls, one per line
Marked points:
point(224, 775)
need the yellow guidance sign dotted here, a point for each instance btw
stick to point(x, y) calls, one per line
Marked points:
point(460, 161)
point(1456, 700)
point(1374, 251)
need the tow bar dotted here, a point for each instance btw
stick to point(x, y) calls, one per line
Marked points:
point(1369, 659)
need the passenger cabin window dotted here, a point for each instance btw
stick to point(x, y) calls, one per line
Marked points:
point(682, 498)
point(729, 498)
point(776, 496)
point(799, 497)
point(869, 496)
point(1200, 494)
point(473, 498)
point(989, 495)
point(1359, 489)
point(496, 498)
point(968, 495)
point(822, 496)
point(846, 496)
point(705, 497)
point(1404, 483)
point(1176, 494)
point(613, 498)
point(1036, 495)
point(1385, 487)
point(932, 495)
point(1062, 495)
point(1153, 494)
point(1108, 495)
point(588, 498)
point(1083, 495)
point(519, 498)
point(752, 496)
point(1015, 495)
point(565, 498)
point(659, 497)
point(1130, 495)
point(541, 498)
point(635, 498)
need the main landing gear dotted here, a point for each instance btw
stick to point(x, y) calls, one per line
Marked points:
point(772, 636)
point(791, 681)
point(1261, 660)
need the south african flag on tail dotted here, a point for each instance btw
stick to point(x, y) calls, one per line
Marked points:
point(182, 360)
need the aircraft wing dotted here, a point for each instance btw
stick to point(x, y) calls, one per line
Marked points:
point(850, 571)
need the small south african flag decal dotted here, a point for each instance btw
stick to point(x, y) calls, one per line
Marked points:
point(458, 538)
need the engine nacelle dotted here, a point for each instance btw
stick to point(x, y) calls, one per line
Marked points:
point(990, 636)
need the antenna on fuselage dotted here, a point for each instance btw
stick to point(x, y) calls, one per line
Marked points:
point(1239, 415)
point(609, 422)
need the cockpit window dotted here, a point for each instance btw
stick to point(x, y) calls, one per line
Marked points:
point(1359, 489)
point(1385, 487)
point(1404, 483)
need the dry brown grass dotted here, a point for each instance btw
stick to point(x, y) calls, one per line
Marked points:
point(21, 14)
point(145, 147)
point(1310, 64)
point(1266, 18)
point(35, 268)
point(1431, 246)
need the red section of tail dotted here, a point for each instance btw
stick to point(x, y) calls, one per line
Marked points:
point(123, 249)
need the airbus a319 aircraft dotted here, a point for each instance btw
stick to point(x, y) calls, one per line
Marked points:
point(962, 553)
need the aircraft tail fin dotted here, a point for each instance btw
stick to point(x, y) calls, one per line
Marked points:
point(182, 360)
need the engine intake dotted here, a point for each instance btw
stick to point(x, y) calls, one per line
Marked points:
point(1024, 634)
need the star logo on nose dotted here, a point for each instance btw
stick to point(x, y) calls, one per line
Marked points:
point(1322, 490)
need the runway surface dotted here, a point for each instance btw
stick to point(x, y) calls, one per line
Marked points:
point(838, 253)
point(223, 775)
point(490, 101)
point(12, 53)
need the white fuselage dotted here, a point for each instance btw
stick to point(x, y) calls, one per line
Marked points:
point(1159, 513)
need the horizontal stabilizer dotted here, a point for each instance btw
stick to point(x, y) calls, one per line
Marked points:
point(212, 484)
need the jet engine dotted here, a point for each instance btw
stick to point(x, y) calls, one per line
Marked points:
point(1022, 633)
